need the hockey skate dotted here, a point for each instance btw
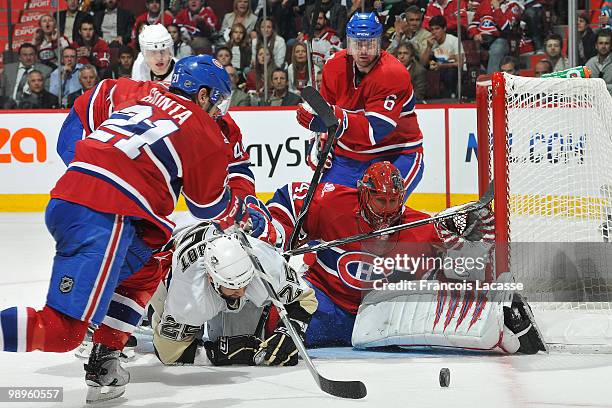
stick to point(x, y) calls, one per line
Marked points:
point(84, 349)
point(104, 376)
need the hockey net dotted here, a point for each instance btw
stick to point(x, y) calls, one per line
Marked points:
point(547, 145)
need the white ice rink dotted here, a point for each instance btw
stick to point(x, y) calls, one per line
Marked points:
point(393, 380)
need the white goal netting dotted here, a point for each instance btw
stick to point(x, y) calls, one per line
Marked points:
point(558, 182)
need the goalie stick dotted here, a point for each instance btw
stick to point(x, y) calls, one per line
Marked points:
point(469, 207)
point(342, 389)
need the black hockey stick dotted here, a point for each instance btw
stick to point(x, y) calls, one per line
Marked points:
point(325, 112)
point(342, 389)
point(473, 206)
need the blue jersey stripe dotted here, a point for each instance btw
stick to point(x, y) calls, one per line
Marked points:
point(8, 319)
point(212, 211)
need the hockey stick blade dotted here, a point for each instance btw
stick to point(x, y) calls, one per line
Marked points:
point(342, 389)
point(485, 200)
point(321, 108)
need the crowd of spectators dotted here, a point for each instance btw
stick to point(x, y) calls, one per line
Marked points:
point(267, 57)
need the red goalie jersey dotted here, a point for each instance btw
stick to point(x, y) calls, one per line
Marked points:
point(144, 147)
point(344, 273)
point(379, 105)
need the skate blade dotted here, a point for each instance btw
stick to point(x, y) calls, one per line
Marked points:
point(98, 394)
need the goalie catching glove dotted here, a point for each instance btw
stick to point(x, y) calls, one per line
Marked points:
point(279, 349)
point(474, 226)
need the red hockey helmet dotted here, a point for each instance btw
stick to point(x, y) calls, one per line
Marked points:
point(381, 194)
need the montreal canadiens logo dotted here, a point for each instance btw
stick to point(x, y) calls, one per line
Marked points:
point(217, 63)
point(356, 269)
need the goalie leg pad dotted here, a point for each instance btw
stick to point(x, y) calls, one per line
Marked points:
point(445, 319)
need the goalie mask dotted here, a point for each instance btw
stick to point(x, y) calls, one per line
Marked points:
point(381, 195)
point(228, 264)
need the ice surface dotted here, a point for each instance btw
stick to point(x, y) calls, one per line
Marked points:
point(393, 379)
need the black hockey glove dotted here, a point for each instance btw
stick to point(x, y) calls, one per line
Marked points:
point(474, 226)
point(230, 350)
point(279, 348)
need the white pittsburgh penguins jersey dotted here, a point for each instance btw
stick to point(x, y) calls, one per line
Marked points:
point(192, 300)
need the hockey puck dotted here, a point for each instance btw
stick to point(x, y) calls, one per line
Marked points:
point(444, 377)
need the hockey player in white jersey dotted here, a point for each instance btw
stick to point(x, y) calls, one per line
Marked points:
point(212, 273)
point(155, 62)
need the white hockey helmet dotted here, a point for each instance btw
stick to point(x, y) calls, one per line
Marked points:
point(227, 263)
point(155, 38)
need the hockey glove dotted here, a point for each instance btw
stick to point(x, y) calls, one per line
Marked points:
point(474, 226)
point(315, 147)
point(258, 222)
point(279, 348)
point(308, 119)
point(230, 350)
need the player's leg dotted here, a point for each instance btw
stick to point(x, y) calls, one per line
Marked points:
point(411, 166)
point(90, 249)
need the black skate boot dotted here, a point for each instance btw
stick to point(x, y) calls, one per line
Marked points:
point(105, 377)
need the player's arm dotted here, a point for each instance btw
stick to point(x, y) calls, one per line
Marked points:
point(384, 106)
point(241, 177)
point(88, 112)
point(286, 205)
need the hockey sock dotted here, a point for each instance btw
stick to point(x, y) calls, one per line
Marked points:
point(26, 329)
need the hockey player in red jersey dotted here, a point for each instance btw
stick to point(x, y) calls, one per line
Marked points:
point(337, 276)
point(346, 276)
point(372, 97)
point(109, 211)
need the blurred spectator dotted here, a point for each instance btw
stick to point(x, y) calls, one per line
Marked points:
point(406, 54)
point(319, 79)
point(298, 69)
point(155, 62)
point(400, 7)
point(123, 67)
point(181, 48)
point(443, 54)
point(338, 16)
point(586, 39)
point(152, 16)
point(532, 15)
point(69, 19)
point(114, 24)
point(605, 14)
point(491, 23)
point(224, 56)
point(280, 95)
point(447, 9)
point(201, 46)
point(325, 42)
point(91, 49)
point(240, 45)
point(47, 40)
point(509, 65)
point(282, 12)
point(553, 44)
point(601, 64)
point(542, 67)
point(407, 27)
point(199, 19)
point(88, 77)
point(239, 97)
point(15, 75)
point(134, 43)
point(255, 77)
point(242, 14)
point(65, 78)
point(37, 97)
point(274, 42)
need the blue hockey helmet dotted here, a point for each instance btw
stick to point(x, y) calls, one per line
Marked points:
point(196, 71)
point(364, 26)
point(363, 33)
